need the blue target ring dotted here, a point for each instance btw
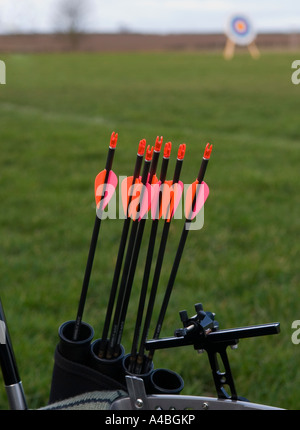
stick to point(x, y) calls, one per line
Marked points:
point(240, 30)
point(240, 26)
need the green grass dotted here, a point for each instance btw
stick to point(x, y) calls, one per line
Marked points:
point(56, 115)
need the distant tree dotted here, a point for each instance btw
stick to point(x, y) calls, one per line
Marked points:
point(71, 18)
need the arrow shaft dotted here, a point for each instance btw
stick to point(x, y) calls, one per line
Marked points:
point(156, 276)
point(91, 254)
point(176, 263)
point(118, 266)
point(86, 279)
point(134, 256)
point(152, 297)
point(147, 270)
point(118, 323)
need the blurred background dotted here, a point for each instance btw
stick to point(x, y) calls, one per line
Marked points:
point(75, 71)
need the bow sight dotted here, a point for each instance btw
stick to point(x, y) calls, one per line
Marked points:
point(202, 331)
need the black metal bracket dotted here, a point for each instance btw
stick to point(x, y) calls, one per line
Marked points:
point(202, 331)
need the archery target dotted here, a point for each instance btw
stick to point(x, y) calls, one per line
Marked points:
point(240, 30)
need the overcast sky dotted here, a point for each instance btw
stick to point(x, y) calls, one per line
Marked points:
point(152, 16)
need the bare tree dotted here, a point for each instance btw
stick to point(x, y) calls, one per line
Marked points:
point(71, 18)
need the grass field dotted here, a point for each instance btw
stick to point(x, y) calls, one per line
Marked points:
point(57, 112)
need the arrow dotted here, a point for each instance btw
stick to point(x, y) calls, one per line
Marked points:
point(118, 266)
point(159, 261)
point(179, 252)
point(125, 286)
point(149, 257)
point(144, 207)
point(93, 244)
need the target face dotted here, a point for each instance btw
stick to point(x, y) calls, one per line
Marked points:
point(240, 30)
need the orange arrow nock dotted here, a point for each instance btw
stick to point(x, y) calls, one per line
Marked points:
point(167, 150)
point(113, 140)
point(207, 151)
point(149, 153)
point(181, 151)
point(142, 146)
point(158, 143)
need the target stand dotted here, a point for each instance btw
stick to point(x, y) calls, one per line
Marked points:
point(240, 32)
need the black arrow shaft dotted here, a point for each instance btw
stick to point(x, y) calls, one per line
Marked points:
point(118, 265)
point(147, 269)
point(177, 260)
point(91, 254)
point(135, 254)
point(123, 292)
point(156, 277)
